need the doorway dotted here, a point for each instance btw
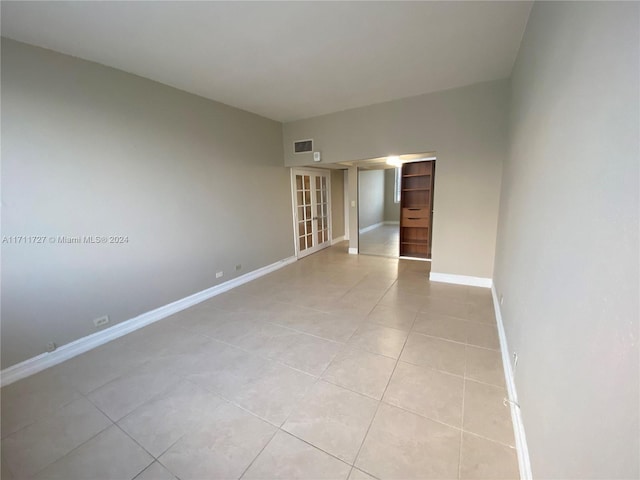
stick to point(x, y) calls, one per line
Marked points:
point(311, 210)
point(379, 210)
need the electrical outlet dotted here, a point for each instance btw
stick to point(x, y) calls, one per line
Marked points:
point(51, 346)
point(219, 274)
point(99, 322)
point(238, 267)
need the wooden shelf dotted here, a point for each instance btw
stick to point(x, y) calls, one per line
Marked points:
point(416, 208)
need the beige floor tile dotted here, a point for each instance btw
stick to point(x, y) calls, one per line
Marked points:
point(484, 365)
point(485, 413)
point(333, 419)
point(301, 351)
point(335, 327)
point(357, 301)
point(189, 355)
point(458, 293)
point(431, 393)
point(378, 339)
point(246, 334)
point(359, 475)
point(485, 459)
point(403, 445)
point(153, 340)
point(316, 300)
point(122, 395)
point(156, 471)
point(33, 398)
point(275, 393)
point(482, 312)
point(287, 457)
point(435, 353)
point(400, 299)
point(441, 326)
point(214, 320)
point(228, 370)
point(360, 371)
point(479, 295)
point(110, 454)
point(221, 449)
point(31, 449)
point(482, 335)
point(236, 302)
point(377, 281)
point(393, 317)
point(97, 367)
point(345, 307)
point(159, 423)
point(446, 306)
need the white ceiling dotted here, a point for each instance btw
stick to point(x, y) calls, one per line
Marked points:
point(284, 60)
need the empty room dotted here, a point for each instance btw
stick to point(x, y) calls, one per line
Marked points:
point(320, 240)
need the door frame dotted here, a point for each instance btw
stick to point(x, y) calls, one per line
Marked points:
point(294, 211)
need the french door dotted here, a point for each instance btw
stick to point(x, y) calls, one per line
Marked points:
point(311, 194)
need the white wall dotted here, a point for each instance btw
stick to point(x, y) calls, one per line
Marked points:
point(567, 257)
point(195, 185)
point(466, 127)
point(370, 197)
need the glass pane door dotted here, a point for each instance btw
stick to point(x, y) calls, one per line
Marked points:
point(322, 210)
point(304, 209)
point(311, 193)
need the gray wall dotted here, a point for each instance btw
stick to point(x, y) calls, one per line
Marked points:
point(337, 203)
point(391, 208)
point(370, 197)
point(567, 257)
point(196, 186)
point(466, 127)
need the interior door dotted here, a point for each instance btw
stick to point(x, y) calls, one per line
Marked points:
point(311, 211)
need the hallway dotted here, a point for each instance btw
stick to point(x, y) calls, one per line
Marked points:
point(336, 366)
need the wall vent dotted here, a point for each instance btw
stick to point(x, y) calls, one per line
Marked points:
point(303, 146)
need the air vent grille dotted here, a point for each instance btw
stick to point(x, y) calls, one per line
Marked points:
point(303, 146)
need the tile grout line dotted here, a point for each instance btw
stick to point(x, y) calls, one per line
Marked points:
point(375, 414)
point(464, 387)
point(259, 453)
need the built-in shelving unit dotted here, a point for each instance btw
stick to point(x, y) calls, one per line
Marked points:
point(417, 209)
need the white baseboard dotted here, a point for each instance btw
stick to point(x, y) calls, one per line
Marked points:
point(524, 462)
point(338, 240)
point(353, 251)
point(460, 279)
point(370, 227)
point(391, 222)
point(45, 360)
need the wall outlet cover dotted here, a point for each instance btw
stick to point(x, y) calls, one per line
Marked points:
point(99, 322)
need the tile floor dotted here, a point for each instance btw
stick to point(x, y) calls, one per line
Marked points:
point(337, 366)
point(383, 240)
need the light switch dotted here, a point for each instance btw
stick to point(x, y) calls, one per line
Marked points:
point(353, 203)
